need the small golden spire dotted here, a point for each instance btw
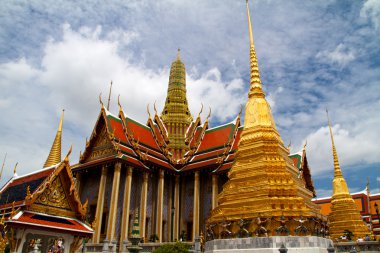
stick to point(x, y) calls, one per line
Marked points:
point(55, 151)
point(256, 87)
point(109, 97)
point(337, 170)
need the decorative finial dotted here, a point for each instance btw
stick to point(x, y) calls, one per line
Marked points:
point(119, 104)
point(28, 192)
point(100, 99)
point(290, 144)
point(68, 153)
point(209, 113)
point(304, 146)
point(109, 97)
point(249, 25)
point(199, 114)
point(15, 169)
point(179, 54)
point(155, 109)
point(61, 121)
point(147, 110)
point(2, 167)
point(241, 110)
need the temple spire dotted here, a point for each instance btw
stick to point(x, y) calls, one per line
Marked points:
point(337, 170)
point(109, 97)
point(344, 214)
point(55, 151)
point(256, 87)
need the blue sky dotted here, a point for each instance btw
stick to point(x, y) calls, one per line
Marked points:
point(312, 55)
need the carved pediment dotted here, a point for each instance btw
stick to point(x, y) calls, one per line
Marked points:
point(100, 147)
point(54, 196)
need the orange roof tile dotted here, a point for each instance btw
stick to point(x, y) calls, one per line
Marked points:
point(50, 222)
point(216, 137)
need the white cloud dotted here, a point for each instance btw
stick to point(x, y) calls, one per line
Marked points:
point(73, 72)
point(341, 55)
point(352, 149)
point(371, 11)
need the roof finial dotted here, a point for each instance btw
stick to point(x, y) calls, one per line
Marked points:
point(119, 104)
point(100, 99)
point(2, 167)
point(337, 171)
point(55, 151)
point(15, 170)
point(147, 110)
point(155, 109)
point(179, 54)
point(109, 97)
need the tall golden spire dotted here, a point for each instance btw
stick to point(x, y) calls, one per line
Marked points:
point(255, 74)
point(176, 114)
point(55, 151)
point(337, 171)
point(262, 180)
point(344, 214)
point(257, 110)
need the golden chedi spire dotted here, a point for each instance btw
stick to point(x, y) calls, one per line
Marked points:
point(344, 214)
point(176, 114)
point(55, 151)
point(263, 180)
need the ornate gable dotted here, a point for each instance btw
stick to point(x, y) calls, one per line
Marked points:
point(57, 194)
point(101, 142)
point(54, 196)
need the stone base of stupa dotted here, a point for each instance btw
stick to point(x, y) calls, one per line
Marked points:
point(299, 244)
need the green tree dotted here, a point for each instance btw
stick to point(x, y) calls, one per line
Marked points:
point(178, 247)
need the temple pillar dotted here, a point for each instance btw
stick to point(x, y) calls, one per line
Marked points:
point(214, 201)
point(126, 203)
point(113, 203)
point(160, 205)
point(100, 205)
point(144, 197)
point(196, 206)
point(176, 209)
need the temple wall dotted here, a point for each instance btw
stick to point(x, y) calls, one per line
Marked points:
point(89, 186)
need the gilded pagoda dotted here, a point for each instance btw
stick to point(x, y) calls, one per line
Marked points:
point(263, 182)
point(344, 214)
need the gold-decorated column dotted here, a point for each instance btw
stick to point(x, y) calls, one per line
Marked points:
point(176, 209)
point(100, 205)
point(126, 204)
point(144, 196)
point(160, 205)
point(196, 206)
point(214, 201)
point(113, 202)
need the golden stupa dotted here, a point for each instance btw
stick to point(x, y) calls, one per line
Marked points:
point(55, 151)
point(263, 184)
point(344, 214)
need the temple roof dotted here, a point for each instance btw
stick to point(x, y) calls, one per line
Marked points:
point(50, 222)
point(15, 189)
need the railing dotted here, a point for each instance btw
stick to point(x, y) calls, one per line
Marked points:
point(366, 246)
